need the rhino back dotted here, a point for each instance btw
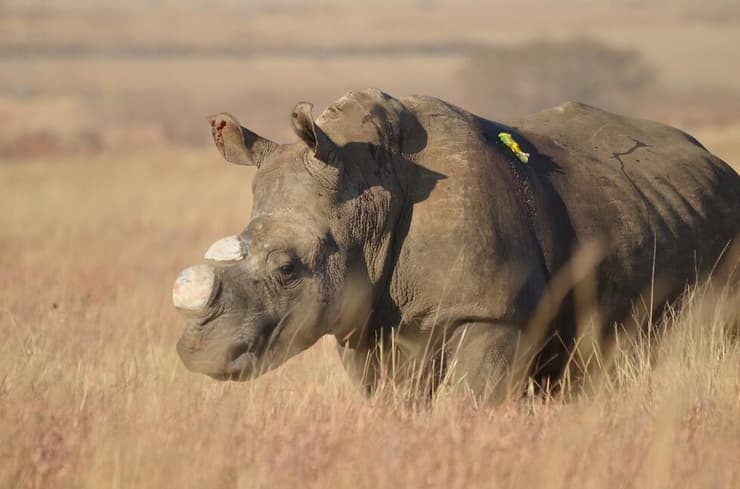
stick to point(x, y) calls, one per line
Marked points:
point(665, 205)
point(483, 235)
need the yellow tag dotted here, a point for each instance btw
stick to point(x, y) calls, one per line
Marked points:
point(509, 142)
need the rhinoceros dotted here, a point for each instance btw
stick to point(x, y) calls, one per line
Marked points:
point(420, 234)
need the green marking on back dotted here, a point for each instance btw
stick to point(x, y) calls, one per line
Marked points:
point(510, 143)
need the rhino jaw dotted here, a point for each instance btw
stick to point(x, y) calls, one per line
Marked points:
point(193, 288)
point(226, 249)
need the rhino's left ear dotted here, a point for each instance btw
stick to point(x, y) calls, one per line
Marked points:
point(238, 144)
point(311, 134)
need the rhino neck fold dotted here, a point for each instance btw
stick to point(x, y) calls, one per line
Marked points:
point(381, 258)
point(326, 174)
point(379, 220)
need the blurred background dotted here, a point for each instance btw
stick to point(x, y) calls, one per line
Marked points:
point(110, 184)
point(80, 77)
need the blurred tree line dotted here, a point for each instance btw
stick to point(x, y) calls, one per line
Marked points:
point(502, 81)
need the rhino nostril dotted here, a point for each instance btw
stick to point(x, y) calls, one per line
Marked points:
point(193, 288)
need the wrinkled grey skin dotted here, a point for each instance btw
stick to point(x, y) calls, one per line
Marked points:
point(406, 230)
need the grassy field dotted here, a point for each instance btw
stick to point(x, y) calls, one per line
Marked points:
point(107, 193)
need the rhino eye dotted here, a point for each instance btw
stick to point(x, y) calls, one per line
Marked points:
point(287, 269)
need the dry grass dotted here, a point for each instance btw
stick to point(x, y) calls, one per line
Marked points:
point(92, 393)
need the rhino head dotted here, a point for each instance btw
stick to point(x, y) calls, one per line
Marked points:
point(322, 219)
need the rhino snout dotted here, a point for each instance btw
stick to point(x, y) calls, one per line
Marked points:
point(213, 305)
point(194, 289)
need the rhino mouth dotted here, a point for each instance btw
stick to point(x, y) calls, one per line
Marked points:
point(242, 364)
point(247, 360)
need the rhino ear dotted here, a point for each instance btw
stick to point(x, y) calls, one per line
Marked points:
point(310, 133)
point(238, 144)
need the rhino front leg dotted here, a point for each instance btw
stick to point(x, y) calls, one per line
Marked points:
point(480, 359)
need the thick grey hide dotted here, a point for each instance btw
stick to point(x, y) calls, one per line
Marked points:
point(407, 227)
